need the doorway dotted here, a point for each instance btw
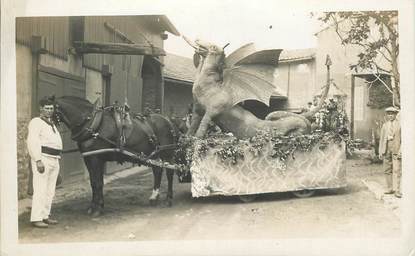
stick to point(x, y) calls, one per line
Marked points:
point(55, 82)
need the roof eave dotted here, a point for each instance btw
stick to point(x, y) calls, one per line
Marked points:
point(169, 26)
point(297, 59)
point(175, 80)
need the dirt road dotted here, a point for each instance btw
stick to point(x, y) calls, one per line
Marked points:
point(353, 212)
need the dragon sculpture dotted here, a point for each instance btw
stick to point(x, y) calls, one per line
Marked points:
point(223, 82)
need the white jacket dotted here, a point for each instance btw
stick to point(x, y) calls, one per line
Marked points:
point(42, 134)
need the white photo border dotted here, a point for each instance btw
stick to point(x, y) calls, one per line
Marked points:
point(8, 174)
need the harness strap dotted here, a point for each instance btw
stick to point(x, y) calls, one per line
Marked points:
point(147, 125)
point(159, 148)
point(123, 122)
point(150, 131)
point(138, 158)
point(87, 133)
point(172, 130)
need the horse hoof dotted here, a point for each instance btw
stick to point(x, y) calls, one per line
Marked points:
point(153, 202)
point(96, 214)
point(168, 203)
point(89, 211)
point(154, 197)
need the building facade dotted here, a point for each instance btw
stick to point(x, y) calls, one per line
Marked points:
point(296, 75)
point(366, 95)
point(363, 94)
point(48, 63)
point(301, 76)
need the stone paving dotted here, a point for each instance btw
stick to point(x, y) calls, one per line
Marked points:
point(372, 178)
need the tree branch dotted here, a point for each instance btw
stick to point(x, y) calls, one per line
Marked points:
point(397, 50)
point(380, 79)
point(336, 23)
point(378, 68)
point(377, 17)
point(384, 56)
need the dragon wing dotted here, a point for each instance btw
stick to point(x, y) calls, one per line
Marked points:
point(250, 74)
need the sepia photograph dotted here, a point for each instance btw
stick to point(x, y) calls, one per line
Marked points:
point(207, 128)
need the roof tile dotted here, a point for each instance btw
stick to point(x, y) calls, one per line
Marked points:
point(179, 68)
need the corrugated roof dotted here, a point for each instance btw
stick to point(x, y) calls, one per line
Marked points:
point(179, 68)
point(298, 54)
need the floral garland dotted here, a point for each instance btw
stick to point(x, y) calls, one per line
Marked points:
point(230, 148)
point(330, 126)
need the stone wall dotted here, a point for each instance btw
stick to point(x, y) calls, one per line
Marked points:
point(22, 158)
point(149, 96)
point(23, 114)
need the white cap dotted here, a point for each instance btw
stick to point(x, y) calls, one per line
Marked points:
point(391, 109)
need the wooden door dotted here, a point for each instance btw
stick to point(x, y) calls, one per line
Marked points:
point(55, 82)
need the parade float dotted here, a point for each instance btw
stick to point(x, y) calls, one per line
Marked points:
point(285, 152)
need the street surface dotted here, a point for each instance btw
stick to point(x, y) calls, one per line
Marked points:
point(352, 212)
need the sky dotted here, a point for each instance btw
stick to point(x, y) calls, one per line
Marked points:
point(268, 26)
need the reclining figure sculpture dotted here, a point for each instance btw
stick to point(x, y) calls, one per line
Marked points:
point(221, 83)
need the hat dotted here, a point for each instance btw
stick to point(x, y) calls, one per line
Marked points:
point(391, 109)
point(47, 100)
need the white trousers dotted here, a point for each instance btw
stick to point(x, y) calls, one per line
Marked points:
point(44, 185)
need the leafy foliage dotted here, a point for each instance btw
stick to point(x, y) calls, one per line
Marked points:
point(229, 148)
point(330, 127)
point(376, 33)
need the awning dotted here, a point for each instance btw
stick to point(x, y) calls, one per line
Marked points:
point(371, 76)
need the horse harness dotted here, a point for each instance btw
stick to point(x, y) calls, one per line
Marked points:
point(91, 124)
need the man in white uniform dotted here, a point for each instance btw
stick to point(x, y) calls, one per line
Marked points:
point(44, 144)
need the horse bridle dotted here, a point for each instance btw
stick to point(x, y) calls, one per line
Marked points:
point(85, 131)
point(58, 116)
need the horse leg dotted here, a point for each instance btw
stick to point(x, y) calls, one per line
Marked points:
point(157, 172)
point(96, 177)
point(169, 198)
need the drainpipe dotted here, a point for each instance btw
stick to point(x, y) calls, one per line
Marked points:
point(38, 46)
point(161, 92)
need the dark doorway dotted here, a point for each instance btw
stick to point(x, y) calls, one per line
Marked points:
point(152, 93)
point(58, 83)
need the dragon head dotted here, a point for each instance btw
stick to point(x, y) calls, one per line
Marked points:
point(211, 52)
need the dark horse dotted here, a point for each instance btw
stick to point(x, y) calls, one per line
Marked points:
point(95, 128)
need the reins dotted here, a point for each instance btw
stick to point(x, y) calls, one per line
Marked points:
point(140, 157)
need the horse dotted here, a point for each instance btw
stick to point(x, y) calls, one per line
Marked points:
point(98, 129)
